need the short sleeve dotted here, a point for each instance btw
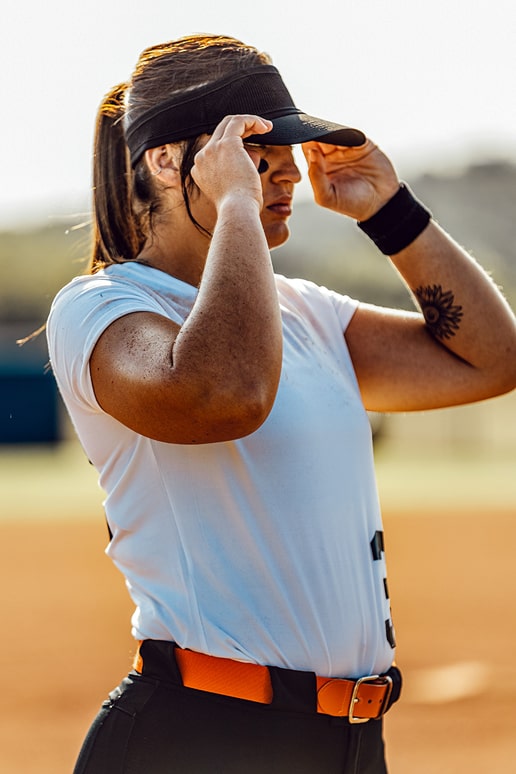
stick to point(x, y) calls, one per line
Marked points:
point(345, 307)
point(321, 300)
point(80, 313)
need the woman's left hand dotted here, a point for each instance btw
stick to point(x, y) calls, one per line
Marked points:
point(352, 181)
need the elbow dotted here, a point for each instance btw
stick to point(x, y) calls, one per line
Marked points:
point(240, 403)
point(507, 367)
point(260, 408)
point(507, 380)
point(244, 411)
point(228, 414)
point(501, 378)
point(245, 423)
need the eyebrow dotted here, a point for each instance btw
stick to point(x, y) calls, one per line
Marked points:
point(259, 145)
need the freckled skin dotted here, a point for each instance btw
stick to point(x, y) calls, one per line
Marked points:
point(215, 377)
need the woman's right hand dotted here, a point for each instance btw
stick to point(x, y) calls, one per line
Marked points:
point(224, 167)
point(214, 378)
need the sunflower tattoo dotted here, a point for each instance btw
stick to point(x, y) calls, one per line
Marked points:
point(441, 315)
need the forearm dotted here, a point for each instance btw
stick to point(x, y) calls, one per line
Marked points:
point(230, 347)
point(462, 307)
point(464, 347)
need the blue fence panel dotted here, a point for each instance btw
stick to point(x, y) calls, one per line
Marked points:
point(29, 402)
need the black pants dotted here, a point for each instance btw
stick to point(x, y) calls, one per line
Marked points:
point(151, 724)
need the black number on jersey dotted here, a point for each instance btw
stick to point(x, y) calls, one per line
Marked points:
point(377, 549)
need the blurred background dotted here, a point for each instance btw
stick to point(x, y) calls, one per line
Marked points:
point(434, 88)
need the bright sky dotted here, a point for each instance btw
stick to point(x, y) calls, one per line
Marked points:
point(432, 83)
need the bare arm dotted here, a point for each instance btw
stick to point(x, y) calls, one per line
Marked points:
point(215, 378)
point(464, 351)
point(462, 347)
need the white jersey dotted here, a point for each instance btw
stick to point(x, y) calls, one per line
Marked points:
point(265, 549)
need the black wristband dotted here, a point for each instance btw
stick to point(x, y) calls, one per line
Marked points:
point(397, 223)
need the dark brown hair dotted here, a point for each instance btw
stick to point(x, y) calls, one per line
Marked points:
point(125, 201)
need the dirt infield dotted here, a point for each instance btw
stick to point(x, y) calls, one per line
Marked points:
point(451, 577)
point(452, 581)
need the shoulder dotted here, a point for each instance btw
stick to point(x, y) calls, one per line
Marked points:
point(114, 280)
point(87, 305)
point(114, 292)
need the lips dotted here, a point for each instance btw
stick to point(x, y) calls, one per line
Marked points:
point(282, 206)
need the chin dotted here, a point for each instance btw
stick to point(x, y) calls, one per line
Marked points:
point(277, 236)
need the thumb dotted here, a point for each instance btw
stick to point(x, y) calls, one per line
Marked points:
point(316, 173)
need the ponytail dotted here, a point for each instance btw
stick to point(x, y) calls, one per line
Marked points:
point(126, 202)
point(117, 235)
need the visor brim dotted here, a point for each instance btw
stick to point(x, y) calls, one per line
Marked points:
point(298, 128)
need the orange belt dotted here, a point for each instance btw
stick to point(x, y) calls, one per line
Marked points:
point(360, 700)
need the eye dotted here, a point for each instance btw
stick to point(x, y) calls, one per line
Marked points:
point(255, 145)
point(263, 166)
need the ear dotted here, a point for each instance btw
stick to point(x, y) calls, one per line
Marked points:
point(164, 161)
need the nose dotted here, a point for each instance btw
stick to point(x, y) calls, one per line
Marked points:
point(285, 169)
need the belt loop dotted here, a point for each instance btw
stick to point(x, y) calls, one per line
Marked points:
point(397, 684)
point(292, 690)
point(156, 658)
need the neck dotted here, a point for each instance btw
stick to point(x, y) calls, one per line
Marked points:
point(179, 254)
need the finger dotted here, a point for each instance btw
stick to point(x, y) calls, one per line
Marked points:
point(307, 147)
point(316, 168)
point(321, 147)
point(325, 150)
point(343, 152)
point(242, 126)
point(257, 125)
point(313, 154)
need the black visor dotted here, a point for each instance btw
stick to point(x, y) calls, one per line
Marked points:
point(259, 91)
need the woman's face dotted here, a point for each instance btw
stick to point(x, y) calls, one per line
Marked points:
point(279, 176)
point(278, 180)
